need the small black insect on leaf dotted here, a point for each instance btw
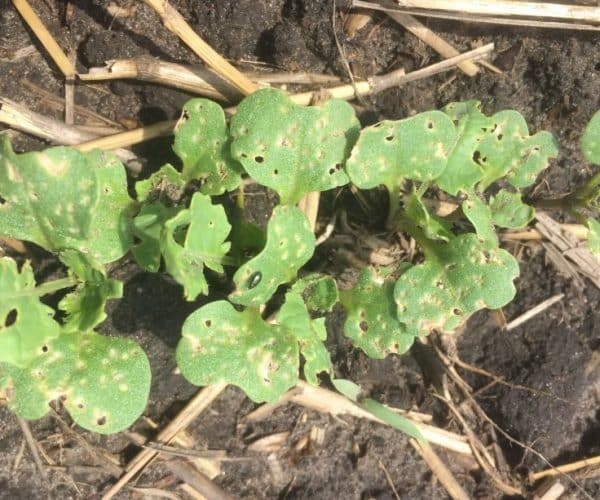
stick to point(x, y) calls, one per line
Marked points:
point(254, 279)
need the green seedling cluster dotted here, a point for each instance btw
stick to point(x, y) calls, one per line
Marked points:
point(271, 330)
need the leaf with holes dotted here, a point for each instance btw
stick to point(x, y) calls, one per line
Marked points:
point(61, 198)
point(220, 344)
point(590, 141)
point(26, 325)
point(186, 253)
point(389, 152)
point(163, 185)
point(319, 292)
point(103, 382)
point(202, 143)
point(290, 244)
point(293, 149)
point(488, 148)
point(593, 238)
point(310, 333)
point(372, 322)
point(85, 306)
point(147, 228)
point(509, 211)
point(456, 279)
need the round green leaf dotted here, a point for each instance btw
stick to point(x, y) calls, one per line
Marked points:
point(202, 143)
point(220, 344)
point(415, 148)
point(372, 322)
point(491, 147)
point(103, 382)
point(62, 198)
point(293, 149)
point(461, 277)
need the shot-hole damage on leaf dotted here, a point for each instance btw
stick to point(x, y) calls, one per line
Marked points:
point(177, 225)
point(11, 318)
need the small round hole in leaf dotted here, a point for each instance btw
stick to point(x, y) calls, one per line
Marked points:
point(101, 421)
point(331, 171)
point(259, 159)
point(11, 318)
point(389, 138)
point(457, 312)
point(364, 326)
point(430, 125)
point(2, 201)
point(208, 322)
point(81, 406)
point(45, 348)
point(499, 137)
point(275, 172)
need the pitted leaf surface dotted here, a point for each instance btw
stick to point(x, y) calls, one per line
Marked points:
point(103, 382)
point(491, 147)
point(202, 245)
point(320, 292)
point(509, 211)
point(26, 324)
point(372, 321)
point(463, 276)
point(290, 244)
point(389, 152)
point(220, 344)
point(62, 198)
point(293, 149)
point(202, 143)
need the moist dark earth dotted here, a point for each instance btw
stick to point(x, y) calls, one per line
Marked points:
point(552, 362)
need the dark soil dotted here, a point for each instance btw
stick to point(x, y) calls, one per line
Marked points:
point(551, 77)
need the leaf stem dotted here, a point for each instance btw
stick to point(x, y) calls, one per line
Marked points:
point(46, 288)
point(581, 198)
point(394, 196)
